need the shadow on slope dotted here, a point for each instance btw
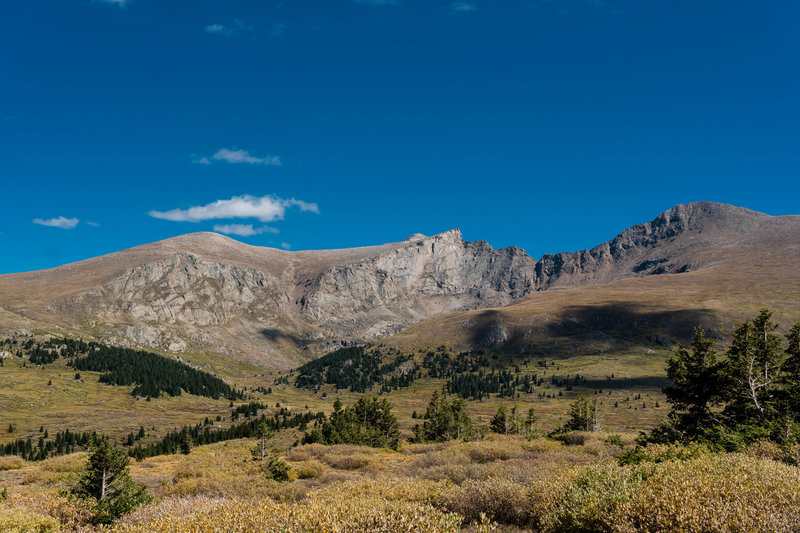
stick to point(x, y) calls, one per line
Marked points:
point(586, 329)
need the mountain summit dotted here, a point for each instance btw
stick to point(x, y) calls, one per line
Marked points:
point(275, 307)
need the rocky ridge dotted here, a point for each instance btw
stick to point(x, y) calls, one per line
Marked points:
point(206, 291)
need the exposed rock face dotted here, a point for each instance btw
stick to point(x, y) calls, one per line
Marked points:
point(355, 301)
point(381, 294)
point(185, 289)
point(684, 238)
point(210, 292)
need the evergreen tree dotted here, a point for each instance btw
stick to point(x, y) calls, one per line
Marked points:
point(752, 371)
point(752, 395)
point(505, 422)
point(444, 421)
point(530, 423)
point(791, 375)
point(263, 434)
point(583, 415)
point(107, 482)
point(369, 422)
point(696, 390)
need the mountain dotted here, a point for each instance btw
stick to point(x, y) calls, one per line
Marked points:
point(706, 265)
point(204, 291)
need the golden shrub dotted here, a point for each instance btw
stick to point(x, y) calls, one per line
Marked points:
point(725, 492)
point(22, 520)
point(74, 463)
point(308, 469)
point(352, 515)
point(348, 462)
point(11, 462)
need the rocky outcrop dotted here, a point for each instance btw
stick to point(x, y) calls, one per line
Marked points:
point(432, 275)
point(207, 291)
point(352, 302)
point(674, 242)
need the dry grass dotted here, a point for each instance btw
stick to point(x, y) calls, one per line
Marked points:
point(11, 463)
point(713, 493)
point(539, 485)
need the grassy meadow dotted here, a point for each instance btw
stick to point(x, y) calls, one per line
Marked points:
point(497, 484)
point(573, 483)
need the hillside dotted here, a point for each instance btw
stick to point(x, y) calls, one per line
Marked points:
point(206, 292)
point(729, 267)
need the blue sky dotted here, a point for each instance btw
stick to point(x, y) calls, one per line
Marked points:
point(546, 124)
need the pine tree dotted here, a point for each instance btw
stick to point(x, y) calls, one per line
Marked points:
point(583, 415)
point(263, 434)
point(791, 372)
point(530, 423)
point(753, 371)
point(107, 481)
point(444, 421)
point(696, 390)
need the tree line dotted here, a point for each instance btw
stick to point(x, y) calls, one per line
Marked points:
point(183, 439)
point(63, 443)
point(748, 393)
point(151, 374)
point(354, 368)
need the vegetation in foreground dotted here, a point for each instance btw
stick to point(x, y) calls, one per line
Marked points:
point(505, 482)
point(725, 460)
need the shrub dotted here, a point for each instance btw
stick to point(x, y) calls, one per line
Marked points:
point(712, 493)
point(502, 500)
point(360, 514)
point(658, 453)
point(573, 439)
point(20, 520)
point(488, 451)
point(309, 469)
point(11, 462)
point(348, 462)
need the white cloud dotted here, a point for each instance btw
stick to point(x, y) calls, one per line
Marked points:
point(219, 29)
point(240, 156)
point(285, 245)
point(243, 156)
point(237, 28)
point(463, 7)
point(60, 222)
point(377, 2)
point(243, 230)
point(266, 209)
point(93, 224)
point(113, 2)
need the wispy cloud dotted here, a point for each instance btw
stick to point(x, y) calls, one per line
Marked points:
point(228, 30)
point(463, 7)
point(565, 7)
point(285, 245)
point(265, 208)
point(278, 29)
point(240, 156)
point(93, 224)
point(120, 3)
point(60, 222)
point(243, 230)
point(377, 2)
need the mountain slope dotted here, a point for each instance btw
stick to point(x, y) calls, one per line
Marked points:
point(756, 267)
point(212, 292)
point(204, 291)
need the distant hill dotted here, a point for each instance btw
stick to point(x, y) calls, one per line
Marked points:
point(204, 291)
